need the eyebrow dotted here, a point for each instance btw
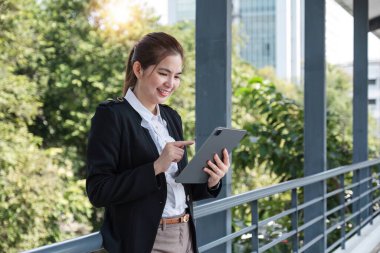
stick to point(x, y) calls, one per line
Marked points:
point(168, 70)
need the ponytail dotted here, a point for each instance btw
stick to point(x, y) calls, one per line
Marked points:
point(130, 77)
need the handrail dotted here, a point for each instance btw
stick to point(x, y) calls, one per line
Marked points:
point(93, 242)
point(236, 200)
point(82, 244)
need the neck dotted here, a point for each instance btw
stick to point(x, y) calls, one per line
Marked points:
point(151, 107)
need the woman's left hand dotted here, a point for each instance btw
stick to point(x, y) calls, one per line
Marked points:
point(218, 169)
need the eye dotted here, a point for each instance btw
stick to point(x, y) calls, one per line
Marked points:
point(177, 77)
point(162, 74)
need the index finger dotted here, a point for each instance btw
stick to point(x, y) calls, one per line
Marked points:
point(181, 144)
point(226, 157)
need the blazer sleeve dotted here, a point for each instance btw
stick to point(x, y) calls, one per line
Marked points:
point(201, 191)
point(105, 185)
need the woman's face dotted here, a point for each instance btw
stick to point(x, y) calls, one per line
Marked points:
point(156, 83)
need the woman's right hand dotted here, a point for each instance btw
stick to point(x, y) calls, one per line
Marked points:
point(173, 152)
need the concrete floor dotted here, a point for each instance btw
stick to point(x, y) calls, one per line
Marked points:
point(368, 242)
point(377, 249)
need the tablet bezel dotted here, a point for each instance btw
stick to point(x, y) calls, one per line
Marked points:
point(219, 139)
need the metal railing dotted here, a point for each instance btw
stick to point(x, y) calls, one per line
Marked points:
point(84, 244)
point(350, 220)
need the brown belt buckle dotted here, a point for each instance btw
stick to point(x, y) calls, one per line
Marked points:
point(185, 218)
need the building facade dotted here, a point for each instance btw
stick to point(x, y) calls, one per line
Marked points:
point(180, 10)
point(258, 28)
point(373, 86)
point(374, 89)
point(271, 31)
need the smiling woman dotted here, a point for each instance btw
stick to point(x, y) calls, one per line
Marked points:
point(136, 148)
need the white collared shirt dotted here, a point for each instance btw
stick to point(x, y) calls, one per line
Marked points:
point(157, 127)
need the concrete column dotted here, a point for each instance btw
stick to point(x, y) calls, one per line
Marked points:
point(360, 100)
point(213, 97)
point(315, 119)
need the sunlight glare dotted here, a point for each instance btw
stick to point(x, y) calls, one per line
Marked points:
point(117, 13)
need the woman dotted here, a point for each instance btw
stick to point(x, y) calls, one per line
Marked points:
point(136, 148)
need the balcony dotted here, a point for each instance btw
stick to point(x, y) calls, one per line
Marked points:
point(320, 217)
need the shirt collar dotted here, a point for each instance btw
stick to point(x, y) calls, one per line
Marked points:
point(140, 108)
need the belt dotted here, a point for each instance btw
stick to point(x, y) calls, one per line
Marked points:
point(182, 219)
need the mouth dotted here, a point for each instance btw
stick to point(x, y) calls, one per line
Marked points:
point(164, 92)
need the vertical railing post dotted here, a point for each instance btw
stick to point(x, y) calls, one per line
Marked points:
point(294, 204)
point(356, 204)
point(315, 119)
point(360, 108)
point(342, 212)
point(324, 212)
point(371, 195)
point(255, 222)
point(213, 99)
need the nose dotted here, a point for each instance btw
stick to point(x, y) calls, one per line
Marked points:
point(170, 81)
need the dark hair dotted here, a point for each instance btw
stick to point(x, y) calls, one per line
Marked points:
point(150, 50)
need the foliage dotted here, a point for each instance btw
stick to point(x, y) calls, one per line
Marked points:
point(274, 149)
point(275, 126)
point(78, 65)
point(289, 90)
point(338, 83)
point(184, 99)
point(39, 200)
point(275, 130)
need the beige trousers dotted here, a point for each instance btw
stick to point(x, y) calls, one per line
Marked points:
point(173, 238)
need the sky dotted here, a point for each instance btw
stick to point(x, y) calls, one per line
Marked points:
point(117, 10)
point(161, 8)
point(339, 36)
point(339, 32)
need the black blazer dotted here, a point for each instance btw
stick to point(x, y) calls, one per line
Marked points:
point(121, 178)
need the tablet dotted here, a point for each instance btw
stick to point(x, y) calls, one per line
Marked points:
point(219, 139)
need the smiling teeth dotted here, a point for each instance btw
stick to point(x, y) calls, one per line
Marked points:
point(164, 91)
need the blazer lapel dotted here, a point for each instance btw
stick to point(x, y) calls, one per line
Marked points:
point(148, 137)
point(145, 132)
point(170, 124)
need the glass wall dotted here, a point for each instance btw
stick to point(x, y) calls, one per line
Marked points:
point(258, 27)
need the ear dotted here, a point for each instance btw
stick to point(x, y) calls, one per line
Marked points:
point(137, 69)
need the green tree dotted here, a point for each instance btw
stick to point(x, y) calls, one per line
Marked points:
point(39, 201)
point(80, 63)
point(273, 151)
